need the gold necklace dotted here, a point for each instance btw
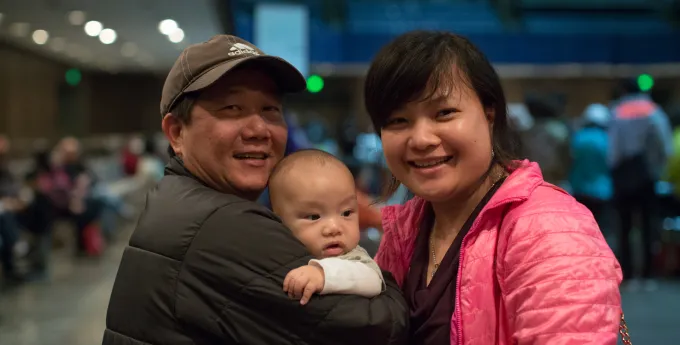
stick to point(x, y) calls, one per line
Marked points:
point(434, 256)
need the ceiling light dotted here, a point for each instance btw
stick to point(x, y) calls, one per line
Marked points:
point(129, 49)
point(93, 28)
point(107, 36)
point(40, 37)
point(176, 36)
point(167, 26)
point(76, 17)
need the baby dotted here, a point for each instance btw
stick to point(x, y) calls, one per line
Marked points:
point(314, 194)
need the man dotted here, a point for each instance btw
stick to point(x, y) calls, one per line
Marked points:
point(640, 143)
point(206, 263)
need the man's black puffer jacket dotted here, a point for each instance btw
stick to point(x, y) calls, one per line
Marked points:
point(203, 267)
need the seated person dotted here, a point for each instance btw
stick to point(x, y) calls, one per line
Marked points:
point(314, 194)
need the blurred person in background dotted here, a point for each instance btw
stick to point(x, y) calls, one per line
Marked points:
point(50, 189)
point(368, 152)
point(589, 177)
point(297, 136)
point(487, 252)
point(347, 133)
point(151, 167)
point(206, 263)
point(85, 208)
point(10, 204)
point(69, 156)
point(673, 167)
point(318, 135)
point(546, 141)
point(148, 166)
point(130, 155)
point(640, 143)
point(519, 117)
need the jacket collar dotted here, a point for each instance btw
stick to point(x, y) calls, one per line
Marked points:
point(176, 167)
point(519, 185)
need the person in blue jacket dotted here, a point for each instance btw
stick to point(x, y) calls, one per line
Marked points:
point(590, 177)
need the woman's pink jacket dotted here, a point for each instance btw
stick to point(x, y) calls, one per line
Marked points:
point(534, 267)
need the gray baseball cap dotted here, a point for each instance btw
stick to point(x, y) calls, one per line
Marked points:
point(200, 65)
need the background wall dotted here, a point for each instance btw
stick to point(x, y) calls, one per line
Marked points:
point(36, 101)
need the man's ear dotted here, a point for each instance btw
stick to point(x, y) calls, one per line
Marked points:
point(172, 128)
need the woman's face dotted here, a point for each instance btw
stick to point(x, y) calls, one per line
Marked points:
point(439, 148)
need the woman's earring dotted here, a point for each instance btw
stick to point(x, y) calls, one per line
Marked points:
point(493, 155)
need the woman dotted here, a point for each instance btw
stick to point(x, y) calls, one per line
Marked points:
point(487, 252)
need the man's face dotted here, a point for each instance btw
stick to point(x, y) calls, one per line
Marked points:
point(236, 135)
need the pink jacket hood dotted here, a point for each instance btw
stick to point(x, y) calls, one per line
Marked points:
point(534, 267)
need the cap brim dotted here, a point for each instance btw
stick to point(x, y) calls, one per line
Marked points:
point(285, 75)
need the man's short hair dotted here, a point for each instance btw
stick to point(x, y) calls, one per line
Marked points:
point(182, 111)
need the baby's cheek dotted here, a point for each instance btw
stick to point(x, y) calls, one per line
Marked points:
point(353, 236)
point(311, 241)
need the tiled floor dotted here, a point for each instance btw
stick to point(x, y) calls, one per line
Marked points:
point(71, 309)
point(654, 318)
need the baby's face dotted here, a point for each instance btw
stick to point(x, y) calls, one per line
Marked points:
point(319, 205)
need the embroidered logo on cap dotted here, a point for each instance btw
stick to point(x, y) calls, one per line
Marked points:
point(240, 49)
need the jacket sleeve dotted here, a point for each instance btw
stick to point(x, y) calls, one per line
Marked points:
point(349, 277)
point(231, 288)
point(662, 130)
point(389, 256)
point(560, 281)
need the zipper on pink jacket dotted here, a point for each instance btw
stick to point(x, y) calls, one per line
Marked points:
point(456, 312)
point(459, 322)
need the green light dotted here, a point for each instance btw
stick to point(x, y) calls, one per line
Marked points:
point(314, 83)
point(73, 77)
point(645, 82)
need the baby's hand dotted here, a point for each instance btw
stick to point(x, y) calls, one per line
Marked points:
point(303, 282)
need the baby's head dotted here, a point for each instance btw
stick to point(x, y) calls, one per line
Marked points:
point(314, 194)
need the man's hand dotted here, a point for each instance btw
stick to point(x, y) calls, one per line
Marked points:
point(303, 282)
